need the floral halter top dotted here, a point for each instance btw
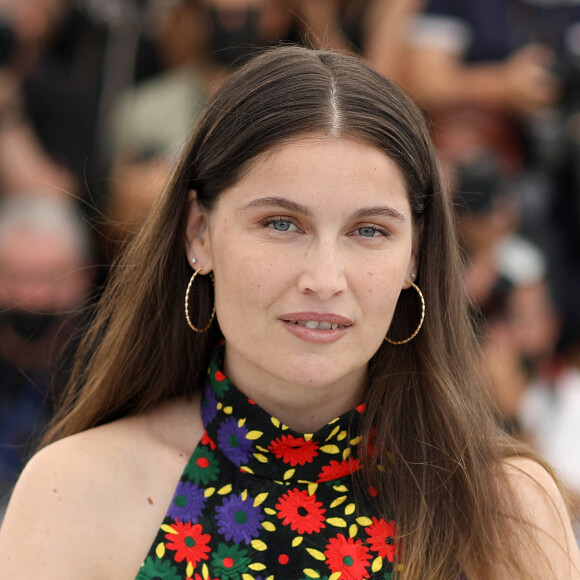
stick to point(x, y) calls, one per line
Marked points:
point(258, 501)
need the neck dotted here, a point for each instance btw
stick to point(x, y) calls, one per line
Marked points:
point(303, 408)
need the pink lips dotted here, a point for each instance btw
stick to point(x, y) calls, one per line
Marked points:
point(295, 324)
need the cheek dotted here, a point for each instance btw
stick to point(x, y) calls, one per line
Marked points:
point(245, 280)
point(379, 294)
point(381, 287)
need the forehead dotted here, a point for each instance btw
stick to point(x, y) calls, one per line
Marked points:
point(324, 170)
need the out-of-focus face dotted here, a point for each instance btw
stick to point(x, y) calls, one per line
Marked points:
point(533, 320)
point(40, 272)
point(310, 250)
point(33, 21)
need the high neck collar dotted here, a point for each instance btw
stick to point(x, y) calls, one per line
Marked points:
point(262, 445)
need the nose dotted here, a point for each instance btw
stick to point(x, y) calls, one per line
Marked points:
point(323, 271)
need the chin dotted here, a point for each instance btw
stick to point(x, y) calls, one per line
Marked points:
point(314, 375)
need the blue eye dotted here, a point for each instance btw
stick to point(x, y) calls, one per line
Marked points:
point(368, 232)
point(282, 225)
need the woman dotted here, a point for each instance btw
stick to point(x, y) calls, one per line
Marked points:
point(308, 204)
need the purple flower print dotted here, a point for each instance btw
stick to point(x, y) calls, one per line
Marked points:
point(239, 520)
point(208, 406)
point(233, 443)
point(188, 502)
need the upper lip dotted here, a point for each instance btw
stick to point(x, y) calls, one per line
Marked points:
point(318, 316)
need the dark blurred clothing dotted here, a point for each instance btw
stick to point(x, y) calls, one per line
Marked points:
point(61, 95)
point(496, 28)
point(24, 411)
point(34, 367)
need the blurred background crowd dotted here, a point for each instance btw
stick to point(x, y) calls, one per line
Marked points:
point(98, 96)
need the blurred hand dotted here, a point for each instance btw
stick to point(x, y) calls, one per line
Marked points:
point(385, 33)
point(528, 83)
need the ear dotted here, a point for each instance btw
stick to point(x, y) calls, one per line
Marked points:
point(197, 239)
point(411, 273)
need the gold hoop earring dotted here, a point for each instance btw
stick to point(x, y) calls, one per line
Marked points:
point(410, 338)
point(187, 304)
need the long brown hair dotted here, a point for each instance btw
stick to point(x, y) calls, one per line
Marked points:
point(437, 451)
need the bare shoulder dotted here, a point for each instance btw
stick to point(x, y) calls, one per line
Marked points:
point(89, 505)
point(542, 505)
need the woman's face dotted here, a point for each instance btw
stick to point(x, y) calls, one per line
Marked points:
point(310, 250)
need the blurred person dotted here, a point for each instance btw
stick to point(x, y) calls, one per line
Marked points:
point(521, 329)
point(498, 54)
point(535, 378)
point(533, 383)
point(549, 416)
point(499, 262)
point(26, 28)
point(51, 74)
point(45, 274)
point(149, 122)
point(513, 62)
point(515, 65)
point(487, 210)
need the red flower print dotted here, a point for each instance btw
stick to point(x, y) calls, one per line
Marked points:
point(382, 538)
point(349, 557)
point(371, 444)
point(338, 469)
point(189, 543)
point(302, 512)
point(294, 450)
point(207, 440)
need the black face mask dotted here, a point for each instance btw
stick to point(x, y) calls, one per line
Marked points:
point(30, 326)
point(234, 45)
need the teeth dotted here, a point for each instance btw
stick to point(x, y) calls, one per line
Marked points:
point(315, 324)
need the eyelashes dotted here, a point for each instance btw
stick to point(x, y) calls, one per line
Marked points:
point(284, 224)
point(371, 232)
point(281, 224)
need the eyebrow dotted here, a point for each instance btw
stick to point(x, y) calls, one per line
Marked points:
point(289, 205)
